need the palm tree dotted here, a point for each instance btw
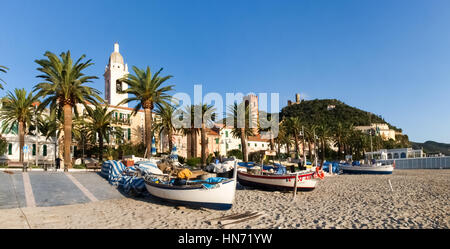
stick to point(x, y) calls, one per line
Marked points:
point(241, 128)
point(294, 127)
point(339, 133)
point(207, 119)
point(63, 88)
point(271, 124)
point(166, 112)
point(282, 138)
point(3, 69)
point(17, 110)
point(100, 126)
point(148, 92)
point(190, 130)
point(310, 131)
point(324, 133)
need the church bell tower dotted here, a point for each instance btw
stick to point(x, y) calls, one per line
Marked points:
point(115, 70)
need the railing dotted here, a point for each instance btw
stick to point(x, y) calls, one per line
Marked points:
point(422, 163)
point(121, 121)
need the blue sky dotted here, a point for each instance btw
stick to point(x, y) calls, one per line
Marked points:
point(387, 57)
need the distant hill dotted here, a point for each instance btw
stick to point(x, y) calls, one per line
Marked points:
point(316, 111)
point(433, 147)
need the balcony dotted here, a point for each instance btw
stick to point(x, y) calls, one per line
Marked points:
point(119, 121)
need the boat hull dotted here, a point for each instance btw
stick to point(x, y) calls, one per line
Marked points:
point(219, 198)
point(377, 170)
point(277, 182)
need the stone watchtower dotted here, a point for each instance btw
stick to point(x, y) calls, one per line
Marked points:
point(115, 70)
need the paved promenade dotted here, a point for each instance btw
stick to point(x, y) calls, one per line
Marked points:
point(44, 189)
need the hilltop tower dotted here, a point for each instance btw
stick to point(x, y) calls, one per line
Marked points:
point(115, 70)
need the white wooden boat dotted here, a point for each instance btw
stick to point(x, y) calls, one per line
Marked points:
point(195, 193)
point(305, 180)
point(377, 168)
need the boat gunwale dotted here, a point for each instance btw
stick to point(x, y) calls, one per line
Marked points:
point(184, 187)
point(290, 176)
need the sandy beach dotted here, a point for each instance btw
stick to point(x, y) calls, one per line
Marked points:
point(420, 199)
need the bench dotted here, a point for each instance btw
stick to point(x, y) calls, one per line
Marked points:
point(93, 166)
point(15, 164)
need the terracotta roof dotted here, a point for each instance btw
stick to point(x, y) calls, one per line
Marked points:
point(257, 139)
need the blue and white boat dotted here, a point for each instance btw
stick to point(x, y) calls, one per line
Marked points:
point(377, 168)
point(214, 193)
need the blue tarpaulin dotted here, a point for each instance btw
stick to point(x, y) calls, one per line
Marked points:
point(122, 177)
point(334, 167)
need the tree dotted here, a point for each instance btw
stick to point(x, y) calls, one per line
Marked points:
point(100, 126)
point(324, 133)
point(190, 130)
point(339, 132)
point(240, 114)
point(3, 69)
point(63, 87)
point(148, 92)
point(310, 132)
point(17, 110)
point(207, 119)
point(294, 127)
point(165, 113)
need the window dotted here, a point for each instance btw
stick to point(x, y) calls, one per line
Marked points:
point(217, 141)
point(121, 116)
point(256, 145)
point(226, 133)
point(44, 150)
point(129, 133)
point(9, 149)
point(248, 144)
point(34, 150)
point(226, 145)
point(118, 86)
point(239, 146)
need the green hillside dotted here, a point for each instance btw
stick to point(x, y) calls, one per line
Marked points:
point(433, 147)
point(316, 112)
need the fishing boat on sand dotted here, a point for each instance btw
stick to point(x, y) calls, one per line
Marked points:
point(372, 168)
point(278, 180)
point(214, 193)
point(370, 165)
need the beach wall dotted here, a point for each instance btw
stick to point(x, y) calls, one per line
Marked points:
point(422, 163)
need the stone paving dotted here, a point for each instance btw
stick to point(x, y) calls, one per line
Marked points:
point(53, 189)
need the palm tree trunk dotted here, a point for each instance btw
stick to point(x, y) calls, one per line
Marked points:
point(100, 142)
point(244, 145)
point(148, 131)
point(203, 141)
point(67, 136)
point(323, 150)
point(296, 146)
point(169, 135)
point(21, 141)
point(310, 151)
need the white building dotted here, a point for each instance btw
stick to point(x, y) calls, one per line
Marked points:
point(46, 149)
point(398, 153)
point(380, 129)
